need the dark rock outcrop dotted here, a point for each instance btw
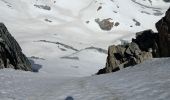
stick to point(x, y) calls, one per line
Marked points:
point(148, 41)
point(140, 49)
point(11, 55)
point(163, 27)
point(146, 46)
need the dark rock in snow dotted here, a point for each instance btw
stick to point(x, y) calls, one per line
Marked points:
point(100, 7)
point(11, 55)
point(97, 49)
point(166, 0)
point(117, 24)
point(47, 20)
point(87, 22)
point(137, 23)
point(105, 24)
point(60, 44)
point(148, 41)
point(68, 57)
point(45, 7)
point(163, 27)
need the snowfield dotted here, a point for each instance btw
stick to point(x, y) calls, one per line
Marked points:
point(147, 81)
point(63, 41)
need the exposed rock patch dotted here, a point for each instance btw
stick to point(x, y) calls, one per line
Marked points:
point(87, 22)
point(60, 44)
point(69, 57)
point(45, 7)
point(47, 20)
point(100, 7)
point(115, 11)
point(106, 24)
point(137, 23)
point(117, 24)
point(11, 55)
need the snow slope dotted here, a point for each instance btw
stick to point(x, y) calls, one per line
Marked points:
point(147, 81)
point(53, 29)
point(63, 41)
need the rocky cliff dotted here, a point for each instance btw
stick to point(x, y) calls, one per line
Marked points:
point(163, 27)
point(11, 55)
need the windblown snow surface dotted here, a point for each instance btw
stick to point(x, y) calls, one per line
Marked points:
point(147, 81)
point(67, 46)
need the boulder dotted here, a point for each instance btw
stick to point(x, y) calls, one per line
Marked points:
point(105, 24)
point(130, 54)
point(115, 58)
point(11, 55)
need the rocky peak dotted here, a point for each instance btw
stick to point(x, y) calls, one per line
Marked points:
point(11, 55)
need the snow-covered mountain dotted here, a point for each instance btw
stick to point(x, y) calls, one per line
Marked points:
point(64, 40)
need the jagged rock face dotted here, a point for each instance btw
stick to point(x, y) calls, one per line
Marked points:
point(163, 27)
point(142, 48)
point(115, 58)
point(11, 55)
